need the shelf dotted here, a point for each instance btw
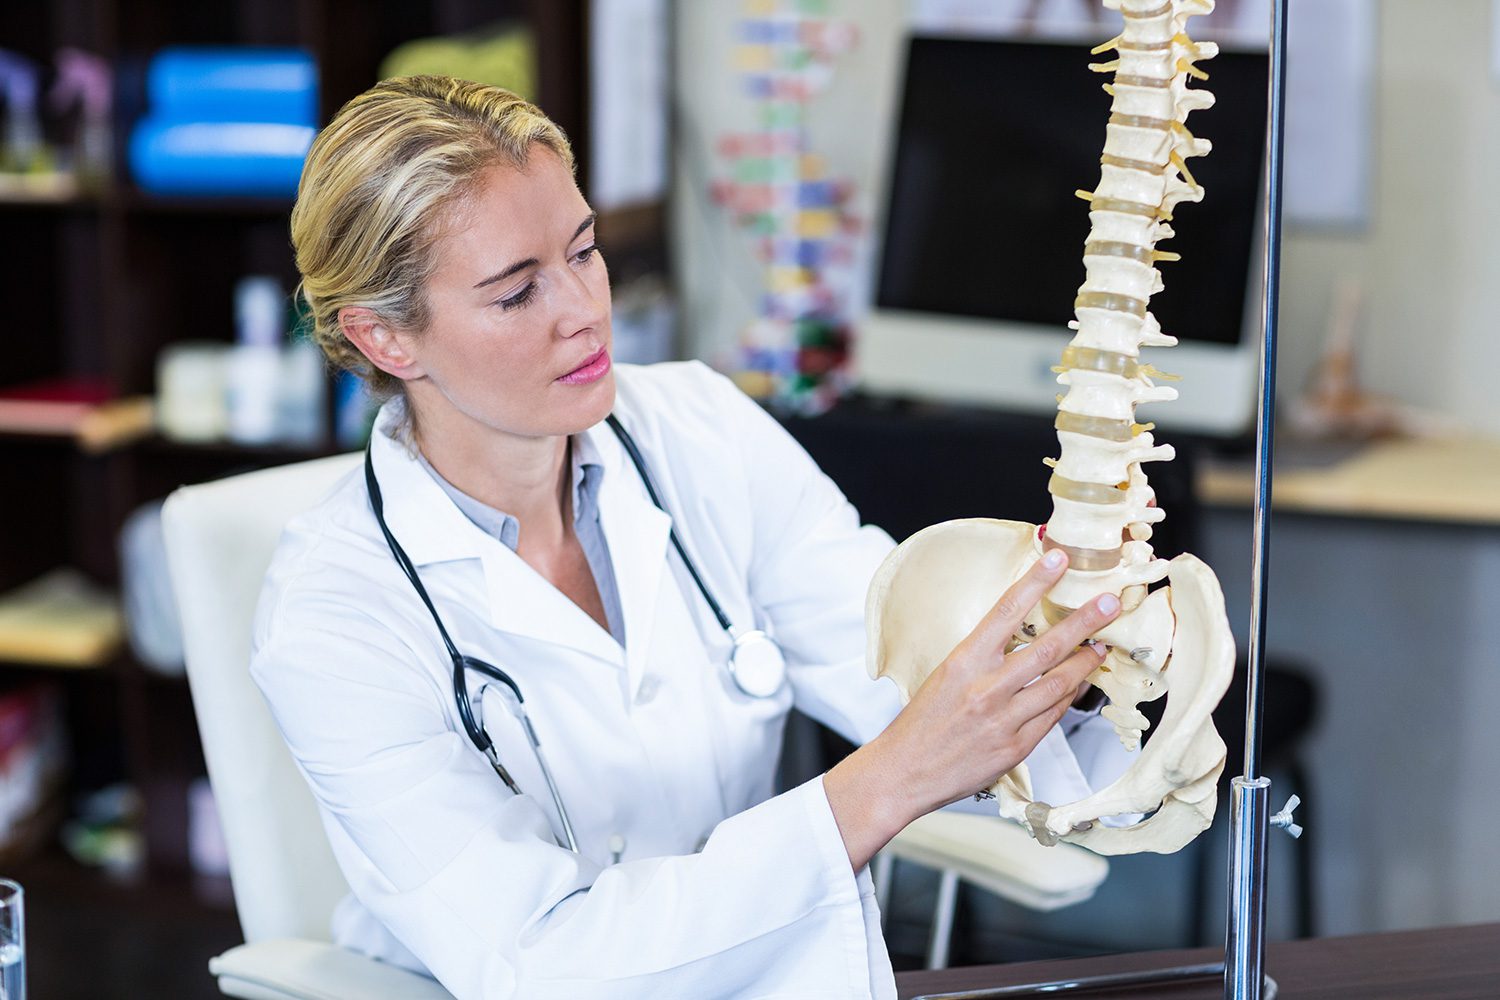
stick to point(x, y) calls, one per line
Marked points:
point(269, 453)
point(10, 201)
point(39, 189)
point(93, 430)
point(62, 621)
point(109, 670)
point(134, 201)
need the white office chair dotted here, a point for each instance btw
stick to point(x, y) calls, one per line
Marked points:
point(220, 537)
point(994, 854)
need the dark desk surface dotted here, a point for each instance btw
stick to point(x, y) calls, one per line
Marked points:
point(1445, 964)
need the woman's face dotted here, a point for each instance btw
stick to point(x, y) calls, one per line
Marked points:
point(519, 333)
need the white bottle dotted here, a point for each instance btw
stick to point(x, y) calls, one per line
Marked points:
point(254, 377)
point(301, 418)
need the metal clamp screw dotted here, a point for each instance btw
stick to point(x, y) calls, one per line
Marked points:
point(1283, 819)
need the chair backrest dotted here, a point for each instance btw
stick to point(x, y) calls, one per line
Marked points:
point(220, 537)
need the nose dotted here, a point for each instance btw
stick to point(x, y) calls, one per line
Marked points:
point(586, 301)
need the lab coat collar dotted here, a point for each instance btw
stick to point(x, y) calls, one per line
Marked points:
point(432, 530)
point(637, 532)
point(429, 526)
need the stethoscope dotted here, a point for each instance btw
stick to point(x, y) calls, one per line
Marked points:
point(755, 661)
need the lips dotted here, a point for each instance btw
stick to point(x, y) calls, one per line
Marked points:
point(595, 367)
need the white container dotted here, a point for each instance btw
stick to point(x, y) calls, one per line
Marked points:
point(253, 388)
point(254, 381)
point(302, 417)
point(190, 391)
point(259, 311)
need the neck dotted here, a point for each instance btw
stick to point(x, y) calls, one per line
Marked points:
point(526, 477)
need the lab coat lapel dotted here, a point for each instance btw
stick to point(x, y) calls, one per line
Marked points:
point(637, 533)
point(523, 603)
point(433, 530)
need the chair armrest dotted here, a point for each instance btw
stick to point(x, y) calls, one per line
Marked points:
point(315, 970)
point(1000, 856)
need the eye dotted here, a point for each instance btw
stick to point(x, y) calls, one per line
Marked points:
point(586, 254)
point(519, 299)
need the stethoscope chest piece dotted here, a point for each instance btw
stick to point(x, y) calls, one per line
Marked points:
point(757, 664)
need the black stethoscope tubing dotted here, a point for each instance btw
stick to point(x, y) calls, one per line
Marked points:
point(462, 664)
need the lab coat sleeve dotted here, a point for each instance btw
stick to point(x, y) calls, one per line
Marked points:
point(811, 567)
point(467, 876)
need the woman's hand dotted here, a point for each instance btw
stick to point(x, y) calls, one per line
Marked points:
point(978, 715)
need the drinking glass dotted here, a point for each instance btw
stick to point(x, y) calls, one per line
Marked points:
point(12, 941)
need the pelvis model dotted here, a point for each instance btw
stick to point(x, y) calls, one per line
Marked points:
point(1173, 640)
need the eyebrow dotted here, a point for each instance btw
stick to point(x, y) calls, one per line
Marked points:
point(522, 265)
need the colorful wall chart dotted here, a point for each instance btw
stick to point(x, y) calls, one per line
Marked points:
point(780, 192)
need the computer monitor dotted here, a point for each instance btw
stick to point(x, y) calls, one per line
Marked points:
point(982, 236)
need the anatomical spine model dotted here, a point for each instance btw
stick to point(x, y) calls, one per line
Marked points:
point(937, 585)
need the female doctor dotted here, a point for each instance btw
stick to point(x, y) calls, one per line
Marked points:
point(448, 256)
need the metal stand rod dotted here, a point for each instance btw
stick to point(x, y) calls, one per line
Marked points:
point(1244, 948)
point(1265, 414)
point(942, 920)
point(882, 873)
point(1113, 982)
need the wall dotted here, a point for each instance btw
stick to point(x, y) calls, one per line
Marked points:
point(1429, 258)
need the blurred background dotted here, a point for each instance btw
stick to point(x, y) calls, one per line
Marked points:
point(864, 211)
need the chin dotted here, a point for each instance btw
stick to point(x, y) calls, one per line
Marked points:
point(590, 407)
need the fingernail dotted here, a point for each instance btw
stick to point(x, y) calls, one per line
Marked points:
point(1109, 604)
point(1052, 559)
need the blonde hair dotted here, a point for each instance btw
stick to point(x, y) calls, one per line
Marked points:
point(377, 183)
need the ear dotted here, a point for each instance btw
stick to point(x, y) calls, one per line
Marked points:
point(382, 345)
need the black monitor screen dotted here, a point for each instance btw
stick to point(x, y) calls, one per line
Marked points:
point(993, 140)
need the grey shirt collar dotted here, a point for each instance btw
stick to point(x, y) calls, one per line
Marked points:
point(588, 475)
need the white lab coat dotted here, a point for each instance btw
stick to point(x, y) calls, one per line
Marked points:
point(722, 889)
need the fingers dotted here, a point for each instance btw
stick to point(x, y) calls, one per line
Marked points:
point(1036, 713)
point(1060, 640)
point(1059, 686)
point(1035, 729)
point(1081, 624)
point(1006, 617)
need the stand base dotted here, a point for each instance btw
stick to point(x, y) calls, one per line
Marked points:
point(1122, 982)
